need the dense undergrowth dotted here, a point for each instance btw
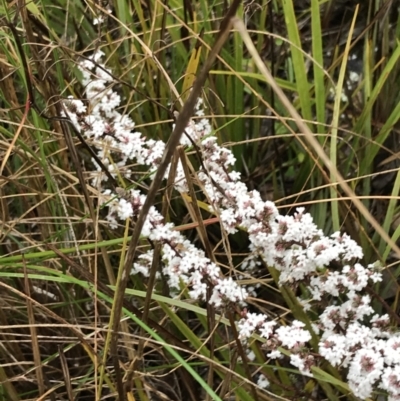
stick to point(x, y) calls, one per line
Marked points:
point(197, 207)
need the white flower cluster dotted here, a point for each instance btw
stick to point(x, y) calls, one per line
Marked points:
point(351, 336)
point(371, 355)
point(183, 262)
point(110, 132)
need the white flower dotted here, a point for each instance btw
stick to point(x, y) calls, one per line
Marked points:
point(333, 349)
point(391, 381)
point(266, 329)
point(124, 209)
point(297, 361)
point(275, 354)
point(248, 325)
point(263, 382)
point(293, 336)
point(98, 20)
point(365, 369)
point(251, 356)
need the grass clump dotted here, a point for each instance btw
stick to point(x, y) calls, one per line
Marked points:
point(160, 164)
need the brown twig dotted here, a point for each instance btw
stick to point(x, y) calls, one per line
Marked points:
point(173, 142)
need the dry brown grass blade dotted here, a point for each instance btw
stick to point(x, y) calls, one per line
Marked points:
point(89, 277)
point(60, 123)
point(34, 338)
point(156, 255)
point(67, 377)
point(172, 144)
point(16, 135)
point(151, 281)
point(193, 207)
point(195, 213)
point(313, 142)
point(8, 386)
point(47, 312)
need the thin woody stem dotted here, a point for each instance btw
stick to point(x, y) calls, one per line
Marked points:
point(173, 142)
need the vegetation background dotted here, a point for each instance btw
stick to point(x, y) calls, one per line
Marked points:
point(337, 61)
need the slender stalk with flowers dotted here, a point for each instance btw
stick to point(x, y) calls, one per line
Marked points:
point(352, 337)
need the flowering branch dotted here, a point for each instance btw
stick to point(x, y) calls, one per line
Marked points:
point(352, 337)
